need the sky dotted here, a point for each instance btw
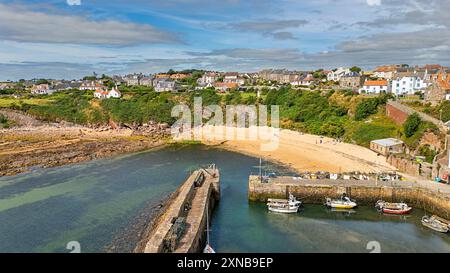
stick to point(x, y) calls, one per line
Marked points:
point(73, 38)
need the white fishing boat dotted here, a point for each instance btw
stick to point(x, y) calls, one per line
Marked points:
point(284, 206)
point(434, 224)
point(343, 203)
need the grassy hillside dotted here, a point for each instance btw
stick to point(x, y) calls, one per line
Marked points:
point(338, 114)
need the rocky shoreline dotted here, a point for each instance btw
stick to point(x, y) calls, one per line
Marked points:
point(44, 145)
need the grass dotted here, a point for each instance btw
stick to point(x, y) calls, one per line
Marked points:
point(9, 102)
point(376, 127)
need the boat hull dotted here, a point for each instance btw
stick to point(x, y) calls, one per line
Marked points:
point(397, 212)
point(281, 210)
point(278, 210)
point(339, 206)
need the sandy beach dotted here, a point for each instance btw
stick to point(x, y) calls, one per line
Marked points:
point(304, 152)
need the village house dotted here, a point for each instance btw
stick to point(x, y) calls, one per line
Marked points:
point(386, 71)
point(6, 85)
point(132, 80)
point(304, 80)
point(42, 89)
point(225, 86)
point(146, 81)
point(337, 74)
point(162, 76)
point(387, 146)
point(439, 88)
point(208, 78)
point(92, 85)
point(408, 83)
point(178, 76)
point(164, 85)
point(280, 75)
point(233, 77)
point(351, 81)
point(374, 87)
point(102, 94)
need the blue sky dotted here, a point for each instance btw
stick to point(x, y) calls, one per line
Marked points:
point(72, 38)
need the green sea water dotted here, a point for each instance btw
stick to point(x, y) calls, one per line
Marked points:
point(94, 202)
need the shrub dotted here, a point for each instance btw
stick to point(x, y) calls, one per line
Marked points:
point(412, 124)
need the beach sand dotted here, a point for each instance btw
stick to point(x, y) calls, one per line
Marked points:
point(304, 152)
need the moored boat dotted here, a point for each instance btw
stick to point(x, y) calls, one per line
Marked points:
point(434, 224)
point(441, 220)
point(343, 203)
point(393, 208)
point(284, 206)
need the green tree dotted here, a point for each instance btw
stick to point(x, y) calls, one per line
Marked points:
point(356, 69)
point(412, 124)
point(366, 108)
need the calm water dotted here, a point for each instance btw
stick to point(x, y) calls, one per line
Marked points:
point(94, 202)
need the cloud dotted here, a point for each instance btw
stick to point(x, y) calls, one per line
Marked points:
point(273, 54)
point(373, 2)
point(268, 27)
point(23, 25)
point(418, 12)
point(74, 2)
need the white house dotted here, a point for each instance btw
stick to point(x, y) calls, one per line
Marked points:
point(374, 87)
point(208, 78)
point(304, 81)
point(113, 93)
point(233, 77)
point(408, 83)
point(338, 74)
point(447, 96)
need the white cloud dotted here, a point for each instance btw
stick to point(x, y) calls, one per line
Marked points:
point(23, 25)
point(74, 2)
point(374, 2)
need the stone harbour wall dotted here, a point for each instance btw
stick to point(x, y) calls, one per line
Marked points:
point(364, 192)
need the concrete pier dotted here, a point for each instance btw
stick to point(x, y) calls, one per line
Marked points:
point(181, 228)
point(365, 192)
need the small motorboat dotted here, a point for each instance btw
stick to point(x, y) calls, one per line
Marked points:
point(343, 203)
point(434, 224)
point(393, 208)
point(284, 206)
point(443, 221)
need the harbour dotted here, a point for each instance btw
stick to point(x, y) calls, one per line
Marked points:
point(95, 202)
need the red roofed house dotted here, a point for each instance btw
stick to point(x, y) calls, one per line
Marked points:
point(225, 86)
point(439, 88)
point(374, 87)
point(113, 93)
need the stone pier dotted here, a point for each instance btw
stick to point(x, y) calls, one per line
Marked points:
point(181, 228)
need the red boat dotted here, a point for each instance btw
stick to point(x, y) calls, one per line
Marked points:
point(393, 208)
